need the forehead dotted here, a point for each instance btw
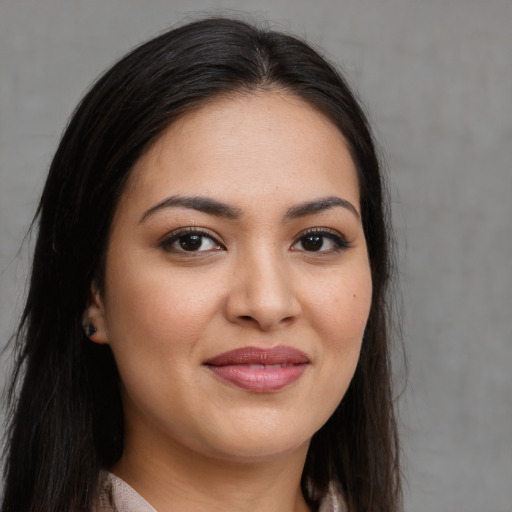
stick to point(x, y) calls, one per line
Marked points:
point(247, 146)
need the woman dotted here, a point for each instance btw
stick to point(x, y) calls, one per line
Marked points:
point(206, 322)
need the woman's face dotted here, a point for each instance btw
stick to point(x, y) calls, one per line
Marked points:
point(237, 283)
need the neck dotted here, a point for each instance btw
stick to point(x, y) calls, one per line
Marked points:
point(179, 479)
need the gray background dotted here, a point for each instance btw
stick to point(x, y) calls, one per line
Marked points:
point(437, 79)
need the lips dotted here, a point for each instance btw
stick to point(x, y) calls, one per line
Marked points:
point(259, 370)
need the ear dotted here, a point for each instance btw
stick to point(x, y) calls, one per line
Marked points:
point(94, 321)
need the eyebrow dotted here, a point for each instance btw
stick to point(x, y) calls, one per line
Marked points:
point(202, 204)
point(320, 205)
point(220, 209)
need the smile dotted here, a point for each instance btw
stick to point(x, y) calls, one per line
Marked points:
point(259, 370)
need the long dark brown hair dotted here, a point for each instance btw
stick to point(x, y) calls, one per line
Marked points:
point(66, 418)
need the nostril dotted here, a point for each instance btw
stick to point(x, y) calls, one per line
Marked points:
point(246, 317)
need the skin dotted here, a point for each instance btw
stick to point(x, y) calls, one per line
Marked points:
point(194, 441)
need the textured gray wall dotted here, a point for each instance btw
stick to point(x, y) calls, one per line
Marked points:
point(437, 78)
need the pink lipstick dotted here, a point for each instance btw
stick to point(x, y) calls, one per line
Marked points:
point(260, 370)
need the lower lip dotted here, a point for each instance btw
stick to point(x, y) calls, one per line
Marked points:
point(259, 380)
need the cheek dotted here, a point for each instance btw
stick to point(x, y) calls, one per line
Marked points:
point(339, 315)
point(156, 320)
point(159, 307)
point(341, 307)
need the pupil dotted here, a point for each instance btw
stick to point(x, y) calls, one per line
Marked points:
point(312, 243)
point(190, 242)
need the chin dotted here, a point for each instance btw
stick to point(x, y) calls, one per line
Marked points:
point(256, 451)
point(262, 440)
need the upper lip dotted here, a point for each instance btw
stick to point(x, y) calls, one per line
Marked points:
point(263, 356)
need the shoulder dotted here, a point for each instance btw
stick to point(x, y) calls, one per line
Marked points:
point(115, 495)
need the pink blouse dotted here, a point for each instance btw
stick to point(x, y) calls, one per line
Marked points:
point(117, 496)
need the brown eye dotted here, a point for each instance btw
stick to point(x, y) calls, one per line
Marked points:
point(321, 240)
point(312, 242)
point(190, 241)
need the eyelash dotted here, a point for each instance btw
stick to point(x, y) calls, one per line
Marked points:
point(340, 242)
point(167, 243)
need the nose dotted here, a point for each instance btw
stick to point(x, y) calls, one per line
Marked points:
point(261, 293)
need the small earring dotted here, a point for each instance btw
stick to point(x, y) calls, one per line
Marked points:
point(90, 329)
